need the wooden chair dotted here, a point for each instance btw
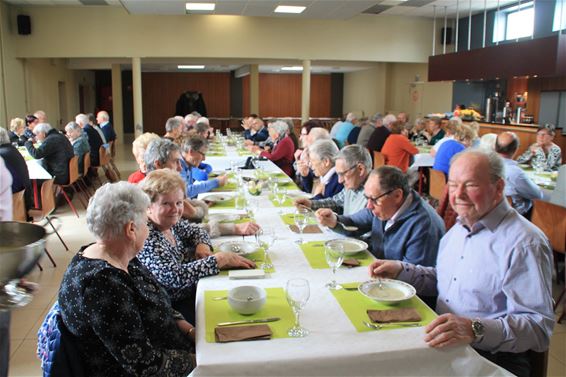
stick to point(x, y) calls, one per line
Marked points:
point(551, 219)
point(111, 161)
point(539, 363)
point(73, 178)
point(437, 184)
point(104, 157)
point(82, 182)
point(378, 159)
point(47, 208)
point(19, 206)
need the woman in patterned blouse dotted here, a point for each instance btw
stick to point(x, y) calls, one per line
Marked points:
point(177, 252)
point(121, 317)
point(544, 153)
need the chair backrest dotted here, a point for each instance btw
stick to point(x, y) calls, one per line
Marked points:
point(104, 157)
point(73, 169)
point(86, 162)
point(378, 159)
point(437, 183)
point(47, 197)
point(551, 219)
point(19, 206)
point(558, 195)
point(112, 148)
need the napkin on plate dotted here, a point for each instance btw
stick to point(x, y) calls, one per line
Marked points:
point(351, 262)
point(394, 315)
point(308, 229)
point(235, 334)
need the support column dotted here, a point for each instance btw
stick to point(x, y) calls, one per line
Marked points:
point(254, 89)
point(117, 108)
point(137, 89)
point(306, 91)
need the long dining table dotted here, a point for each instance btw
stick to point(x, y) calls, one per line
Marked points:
point(338, 343)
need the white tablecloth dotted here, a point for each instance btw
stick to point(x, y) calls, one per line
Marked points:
point(334, 347)
point(37, 171)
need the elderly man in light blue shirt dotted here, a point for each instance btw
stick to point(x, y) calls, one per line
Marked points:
point(493, 272)
point(518, 186)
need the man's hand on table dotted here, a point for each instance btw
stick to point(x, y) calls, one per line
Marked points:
point(326, 217)
point(222, 179)
point(385, 269)
point(246, 229)
point(303, 202)
point(449, 330)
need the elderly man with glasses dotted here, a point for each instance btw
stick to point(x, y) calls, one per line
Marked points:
point(403, 226)
point(353, 165)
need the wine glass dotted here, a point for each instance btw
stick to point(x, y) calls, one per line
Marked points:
point(280, 196)
point(298, 293)
point(301, 218)
point(266, 238)
point(334, 255)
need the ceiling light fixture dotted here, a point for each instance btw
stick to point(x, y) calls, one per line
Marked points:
point(190, 67)
point(200, 6)
point(289, 9)
point(295, 68)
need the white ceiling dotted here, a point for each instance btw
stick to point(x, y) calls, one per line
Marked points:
point(316, 9)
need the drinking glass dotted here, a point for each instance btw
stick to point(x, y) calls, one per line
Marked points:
point(301, 218)
point(280, 196)
point(334, 255)
point(252, 208)
point(266, 238)
point(298, 293)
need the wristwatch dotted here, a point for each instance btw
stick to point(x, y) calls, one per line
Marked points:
point(478, 330)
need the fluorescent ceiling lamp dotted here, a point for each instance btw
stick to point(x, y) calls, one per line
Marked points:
point(190, 66)
point(200, 6)
point(293, 68)
point(289, 9)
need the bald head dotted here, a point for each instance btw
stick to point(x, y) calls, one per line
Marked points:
point(507, 144)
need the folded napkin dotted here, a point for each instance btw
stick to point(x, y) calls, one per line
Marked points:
point(351, 262)
point(235, 334)
point(308, 229)
point(395, 315)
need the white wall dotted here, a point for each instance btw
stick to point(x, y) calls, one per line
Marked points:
point(364, 91)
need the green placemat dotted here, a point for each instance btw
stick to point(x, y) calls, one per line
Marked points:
point(275, 306)
point(227, 187)
point(355, 305)
point(287, 203)
point(244, 152)
point(289, 219)
point(258, 258)
point(314, 252)
point(424, 149)
point(215, 154)
point(231, 203)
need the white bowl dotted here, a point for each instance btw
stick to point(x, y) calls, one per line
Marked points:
point(246, 299)
point(390, 292)
point(351, 246)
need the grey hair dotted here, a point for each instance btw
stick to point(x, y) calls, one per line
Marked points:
point(82, 118)
point(319, 133)
point(288, 121)
point(280, 127)
point(172, 124)
point(355, 154)
point(194, 143)
point(375, 117)
point(4, 136)
point(391, 178)
point(158, 150)
point(324, 150)
point(388, 119)
point(495, 161)
point(104, 115)
point(203, 120)
point(201, 127)
point(112, 207)
point(351, 117)
point(73, 126)
point(42, 127)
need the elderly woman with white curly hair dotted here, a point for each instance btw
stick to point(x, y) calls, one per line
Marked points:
point(282, 153)
point(322, 155)
point(118, 312)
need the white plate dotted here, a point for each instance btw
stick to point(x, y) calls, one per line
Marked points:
point(216, 198)
point(391, 292)
point(238, 247)
point(298, 194)
point(228, 217)
point(351, 245)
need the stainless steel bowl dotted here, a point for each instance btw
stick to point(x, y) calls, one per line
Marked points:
point(21, 246)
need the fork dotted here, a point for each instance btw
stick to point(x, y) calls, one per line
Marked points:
point(379, 326)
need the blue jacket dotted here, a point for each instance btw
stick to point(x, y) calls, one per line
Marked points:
point(332, 188)
point(201, 173)
point(445, 153)
point(259, 136)
point(198, 187)
point(413, 238)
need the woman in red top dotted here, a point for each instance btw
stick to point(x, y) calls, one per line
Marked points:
point(397, 148)
point(283, 150)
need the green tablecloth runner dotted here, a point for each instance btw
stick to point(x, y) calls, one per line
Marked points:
point(275, 306)
point(355, 305)
point(314, 252)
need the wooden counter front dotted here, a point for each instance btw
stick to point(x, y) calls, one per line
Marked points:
point(527, 135)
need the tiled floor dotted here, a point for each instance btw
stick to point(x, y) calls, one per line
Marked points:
point(25, 321)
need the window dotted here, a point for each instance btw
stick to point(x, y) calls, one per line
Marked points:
point(559, 16)
point(514, 22)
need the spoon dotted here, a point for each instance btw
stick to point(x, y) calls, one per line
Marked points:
point(379, 326)
point(347, 228)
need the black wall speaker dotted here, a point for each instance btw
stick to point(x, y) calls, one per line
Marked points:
point(24, 24)
point(448, 32)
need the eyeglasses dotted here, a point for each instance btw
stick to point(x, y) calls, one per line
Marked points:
point(376, 201)
point(201, 153)
point(342, 174)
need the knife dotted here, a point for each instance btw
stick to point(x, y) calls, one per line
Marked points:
point(260, 320)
